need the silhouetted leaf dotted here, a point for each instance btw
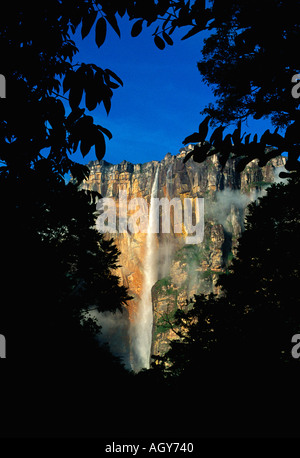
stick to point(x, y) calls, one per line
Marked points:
point(166, 21)
point(193, 31)
point(217, 136)
point(67, 82)
point(105, 131)
point(90, 86)
point(100, 145)
point(172, 29)
point(236, 136)
point(74, 139)
point(167, 38)
point(200, 152)
point(188, 156)
point(159, 42)
point(292, 133)
point(265, 138)
point(223, 158)
point(114, 76)
point(267, 156)
point(292, 163)
point(226, 144)
point(113, 22)
point(76, 93)
point(247, 139)
point(107, 99)
point(108, 81)
point(203, 128)
point(78, 84)
point(121, 9)
point(137, 28)
point(99, 85)
point(87, 142)
point(240, 166)
point(91, 98)
point(100, 31)
point(87, 23)
point(193, 138)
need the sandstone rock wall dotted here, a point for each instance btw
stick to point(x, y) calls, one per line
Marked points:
point(183, 270)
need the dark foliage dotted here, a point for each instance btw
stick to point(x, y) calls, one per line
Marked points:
point(240, 146)
point(233, 355)
point(249, 61)
point(55, 266)
point(39, 52)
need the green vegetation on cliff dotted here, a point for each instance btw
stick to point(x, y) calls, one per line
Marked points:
point(259, 302)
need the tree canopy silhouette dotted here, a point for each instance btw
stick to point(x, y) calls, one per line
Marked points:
point(56, 265)
point(250, 63)
point(56, 269)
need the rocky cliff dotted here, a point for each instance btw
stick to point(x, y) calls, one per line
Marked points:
point(182, 269)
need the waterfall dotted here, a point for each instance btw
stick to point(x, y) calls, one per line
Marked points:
point(144, 322)
point(169, 180)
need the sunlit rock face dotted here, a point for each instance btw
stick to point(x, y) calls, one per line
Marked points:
point(182, 269)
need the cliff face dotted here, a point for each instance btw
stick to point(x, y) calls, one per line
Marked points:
point(182, 269)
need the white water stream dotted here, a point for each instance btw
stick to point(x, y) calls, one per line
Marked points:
point(144, 322)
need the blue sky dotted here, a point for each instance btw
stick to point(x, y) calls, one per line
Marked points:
point(162, 96)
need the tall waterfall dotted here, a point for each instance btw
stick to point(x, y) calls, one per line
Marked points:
point(169, 179)
point(144, 322)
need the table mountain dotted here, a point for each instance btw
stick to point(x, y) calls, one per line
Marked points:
point(178, 269)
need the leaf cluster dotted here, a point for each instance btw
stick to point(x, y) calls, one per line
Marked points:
point(249, 65)
point(238, 145)
point(40, 73)
point(173, 15)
